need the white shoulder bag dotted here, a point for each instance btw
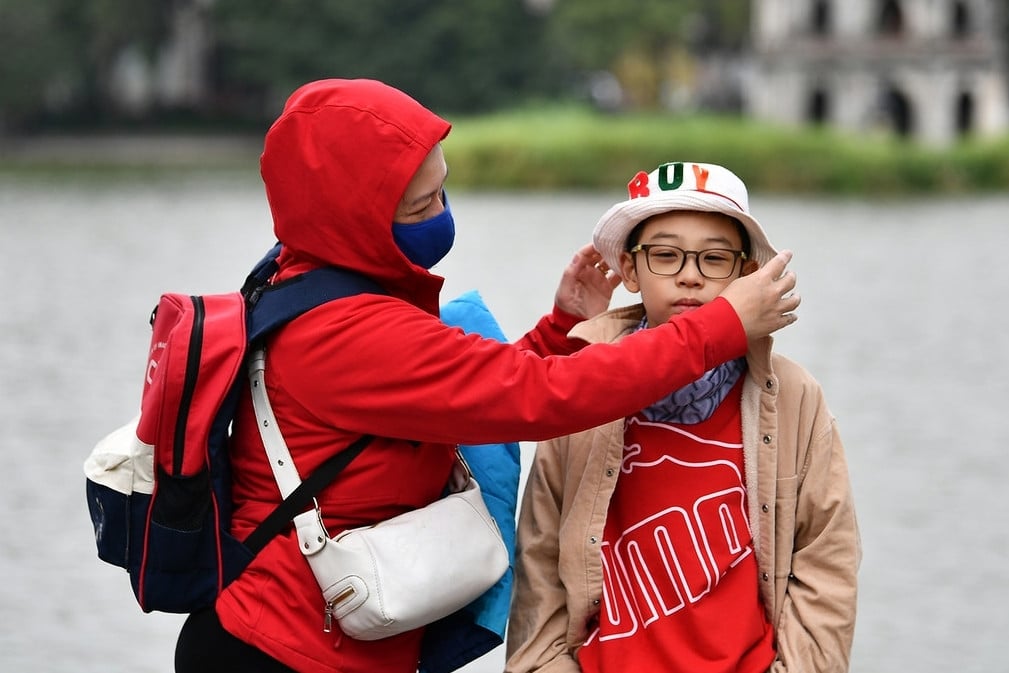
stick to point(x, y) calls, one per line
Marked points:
point(402, 573)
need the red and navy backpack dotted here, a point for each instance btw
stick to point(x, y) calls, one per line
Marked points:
point(158, 488)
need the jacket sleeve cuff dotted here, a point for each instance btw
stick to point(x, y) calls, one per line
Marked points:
point(564, 321)
point(550, 336)
point(721, 324)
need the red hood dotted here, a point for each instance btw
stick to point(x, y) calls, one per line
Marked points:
point(335, 165)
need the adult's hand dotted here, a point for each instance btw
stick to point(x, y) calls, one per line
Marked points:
point(587, 284)
point(764, 300)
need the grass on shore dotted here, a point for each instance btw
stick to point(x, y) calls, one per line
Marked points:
point(578, 148)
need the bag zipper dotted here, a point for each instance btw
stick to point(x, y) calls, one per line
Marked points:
point(189, 385)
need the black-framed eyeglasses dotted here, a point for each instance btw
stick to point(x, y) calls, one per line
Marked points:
point(668, 260)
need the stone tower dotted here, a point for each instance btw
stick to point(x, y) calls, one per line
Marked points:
point(931, 70)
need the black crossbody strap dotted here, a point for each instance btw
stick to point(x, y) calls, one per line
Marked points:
point(302, 496)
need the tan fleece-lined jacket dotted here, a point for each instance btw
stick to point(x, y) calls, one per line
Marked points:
point(800, 509)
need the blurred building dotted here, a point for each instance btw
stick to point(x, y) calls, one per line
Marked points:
point(931, 70)
point(176, 77)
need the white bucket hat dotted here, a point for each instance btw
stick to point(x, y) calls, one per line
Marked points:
point(679, 186)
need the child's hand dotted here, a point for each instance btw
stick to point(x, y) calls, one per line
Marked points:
point(587, 285)
point(764, 300)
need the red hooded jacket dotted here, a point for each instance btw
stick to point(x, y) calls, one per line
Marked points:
point(335, 165)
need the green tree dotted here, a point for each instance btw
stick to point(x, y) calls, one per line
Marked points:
point(38, 47)
point(58, 54)
point(454, 55)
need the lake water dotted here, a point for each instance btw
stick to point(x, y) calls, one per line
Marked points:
point(903, 320)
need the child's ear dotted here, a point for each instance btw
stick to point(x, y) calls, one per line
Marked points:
point(628, 272)
point(749, 266)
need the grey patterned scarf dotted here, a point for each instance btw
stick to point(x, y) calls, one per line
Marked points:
point(697, 401)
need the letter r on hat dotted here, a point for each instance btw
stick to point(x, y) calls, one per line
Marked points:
point(638, 186)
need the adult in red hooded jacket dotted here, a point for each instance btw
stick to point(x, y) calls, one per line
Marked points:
point(345, 161)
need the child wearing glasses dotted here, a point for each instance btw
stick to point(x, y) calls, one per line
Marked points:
point(714, 531)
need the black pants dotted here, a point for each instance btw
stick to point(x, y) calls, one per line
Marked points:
point(205, 647)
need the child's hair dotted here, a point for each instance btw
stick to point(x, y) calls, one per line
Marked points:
point(635, 236)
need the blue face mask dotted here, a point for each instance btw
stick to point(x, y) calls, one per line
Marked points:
point(426, 243)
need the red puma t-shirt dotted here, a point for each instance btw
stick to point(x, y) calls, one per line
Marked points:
point(680, 576)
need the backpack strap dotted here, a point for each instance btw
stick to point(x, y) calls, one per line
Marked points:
point(274, 305)
point(261, 274)
point(269, 307)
